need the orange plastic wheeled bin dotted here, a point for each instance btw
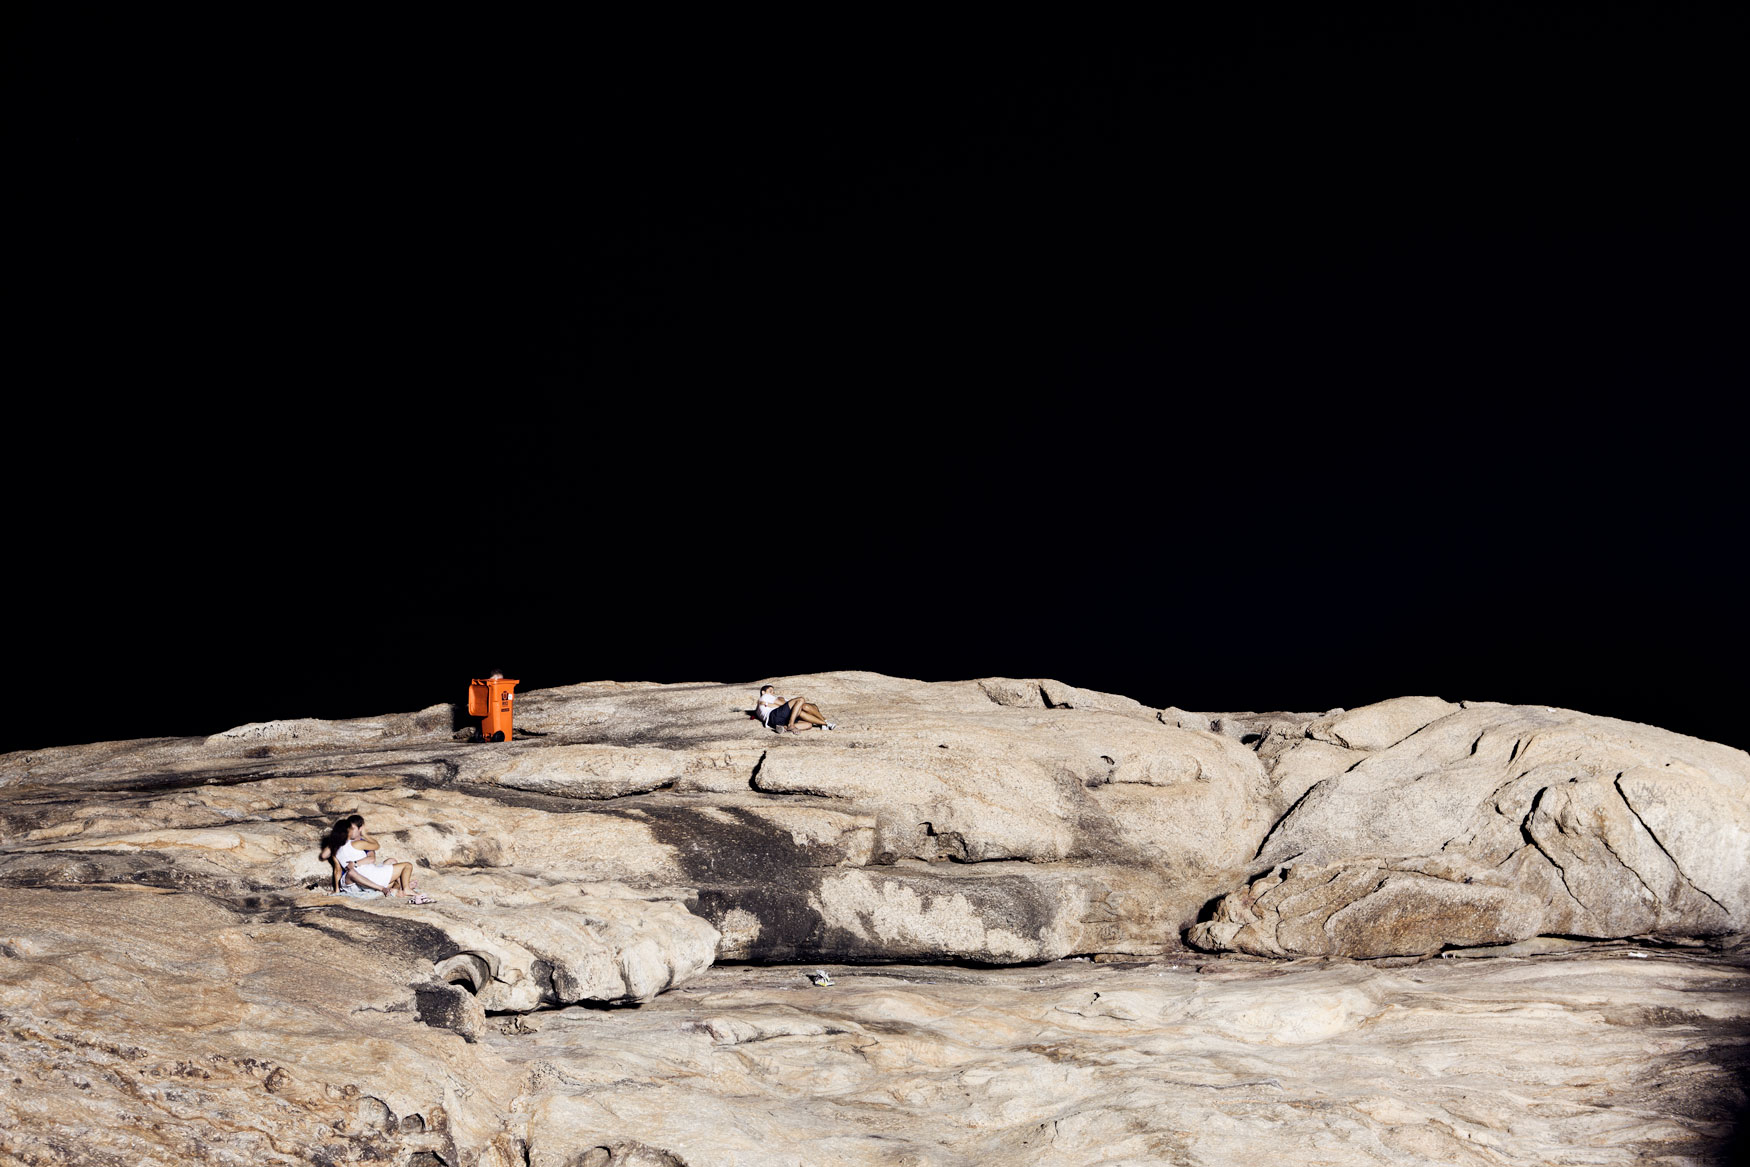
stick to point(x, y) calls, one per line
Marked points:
point(490, 700)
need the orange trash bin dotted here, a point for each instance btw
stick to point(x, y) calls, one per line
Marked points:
point(490, 700)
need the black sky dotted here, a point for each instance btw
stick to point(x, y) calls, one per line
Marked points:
point(1273, 361)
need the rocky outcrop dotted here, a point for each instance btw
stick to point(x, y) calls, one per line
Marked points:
point(1489, 824)
point(639, 834)
point(1068, 821)
point(994, 821)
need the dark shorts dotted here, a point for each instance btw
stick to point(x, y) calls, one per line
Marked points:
point(778, 717)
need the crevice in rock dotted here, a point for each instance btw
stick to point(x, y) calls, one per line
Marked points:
point(754, 778)
point(560, 1006)
point(1280, 864)
point(875, 962)
point(1046, 698)
point(530, 800)
point(1277, 825)
point(1681, 874)
point(1496, 792)
point(1525, 833)
point(1626, 866)
point(1207, 912)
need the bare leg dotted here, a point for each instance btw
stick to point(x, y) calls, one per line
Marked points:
point(808, 715)
point(794, 718)
point(403, 878)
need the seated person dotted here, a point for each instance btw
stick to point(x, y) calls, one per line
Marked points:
point(353, 856)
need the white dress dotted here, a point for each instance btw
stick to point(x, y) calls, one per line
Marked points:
point(352, 861)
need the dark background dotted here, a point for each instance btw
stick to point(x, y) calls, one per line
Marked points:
point(1280, 360)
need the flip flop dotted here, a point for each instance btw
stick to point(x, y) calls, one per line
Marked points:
point(420, 897)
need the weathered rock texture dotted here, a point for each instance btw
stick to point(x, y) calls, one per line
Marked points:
point(1418, 825)
point(177, 986)
point(1611, 1057)
point(994, 820)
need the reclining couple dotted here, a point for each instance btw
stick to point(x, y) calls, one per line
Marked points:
point(791, 713)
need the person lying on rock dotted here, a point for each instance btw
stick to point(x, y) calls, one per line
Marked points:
point(792, 713)
point(353, 856)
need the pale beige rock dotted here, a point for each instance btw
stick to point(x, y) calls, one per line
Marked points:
point(1526, 1061)
point(164, 897)
point(579, 771)
point(941, 774)
point(264, 738)
point(1301, 765)
point(1180, 719)
point(152, 1027)
point(1012, 693)
point(1058, 695)
point(1370, 911)
point(1541, 803)
point(1379, 726)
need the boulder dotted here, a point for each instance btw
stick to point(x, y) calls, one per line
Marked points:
point(1608, 828)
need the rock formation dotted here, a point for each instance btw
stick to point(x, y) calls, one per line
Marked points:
point(1419, 825)
point(178, 985)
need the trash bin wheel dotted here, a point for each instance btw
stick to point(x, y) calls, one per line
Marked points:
point(499, 736)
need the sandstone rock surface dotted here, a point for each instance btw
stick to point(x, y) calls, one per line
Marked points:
point(1487, 824)
point(1522, 1060)
point(171, 960)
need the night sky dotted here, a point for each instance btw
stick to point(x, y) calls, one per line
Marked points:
point(1258, 362)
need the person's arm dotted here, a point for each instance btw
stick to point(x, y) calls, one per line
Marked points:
point(372, 849)
point(335, 864)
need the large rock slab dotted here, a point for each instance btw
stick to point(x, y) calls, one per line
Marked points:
point(964, 821)
point(158, 1027)
point(1617, 1057)
point(1492, 821)
point(177, 984)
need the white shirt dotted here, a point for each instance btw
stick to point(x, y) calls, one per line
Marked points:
point(769, 702)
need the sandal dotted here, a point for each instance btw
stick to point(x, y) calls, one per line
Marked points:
point(420, 897)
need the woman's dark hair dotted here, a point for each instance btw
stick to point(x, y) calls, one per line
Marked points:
point(763, 688)
point(337, 834)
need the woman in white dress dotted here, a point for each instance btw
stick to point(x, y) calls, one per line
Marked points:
point(792, 713)
point(354, 857)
